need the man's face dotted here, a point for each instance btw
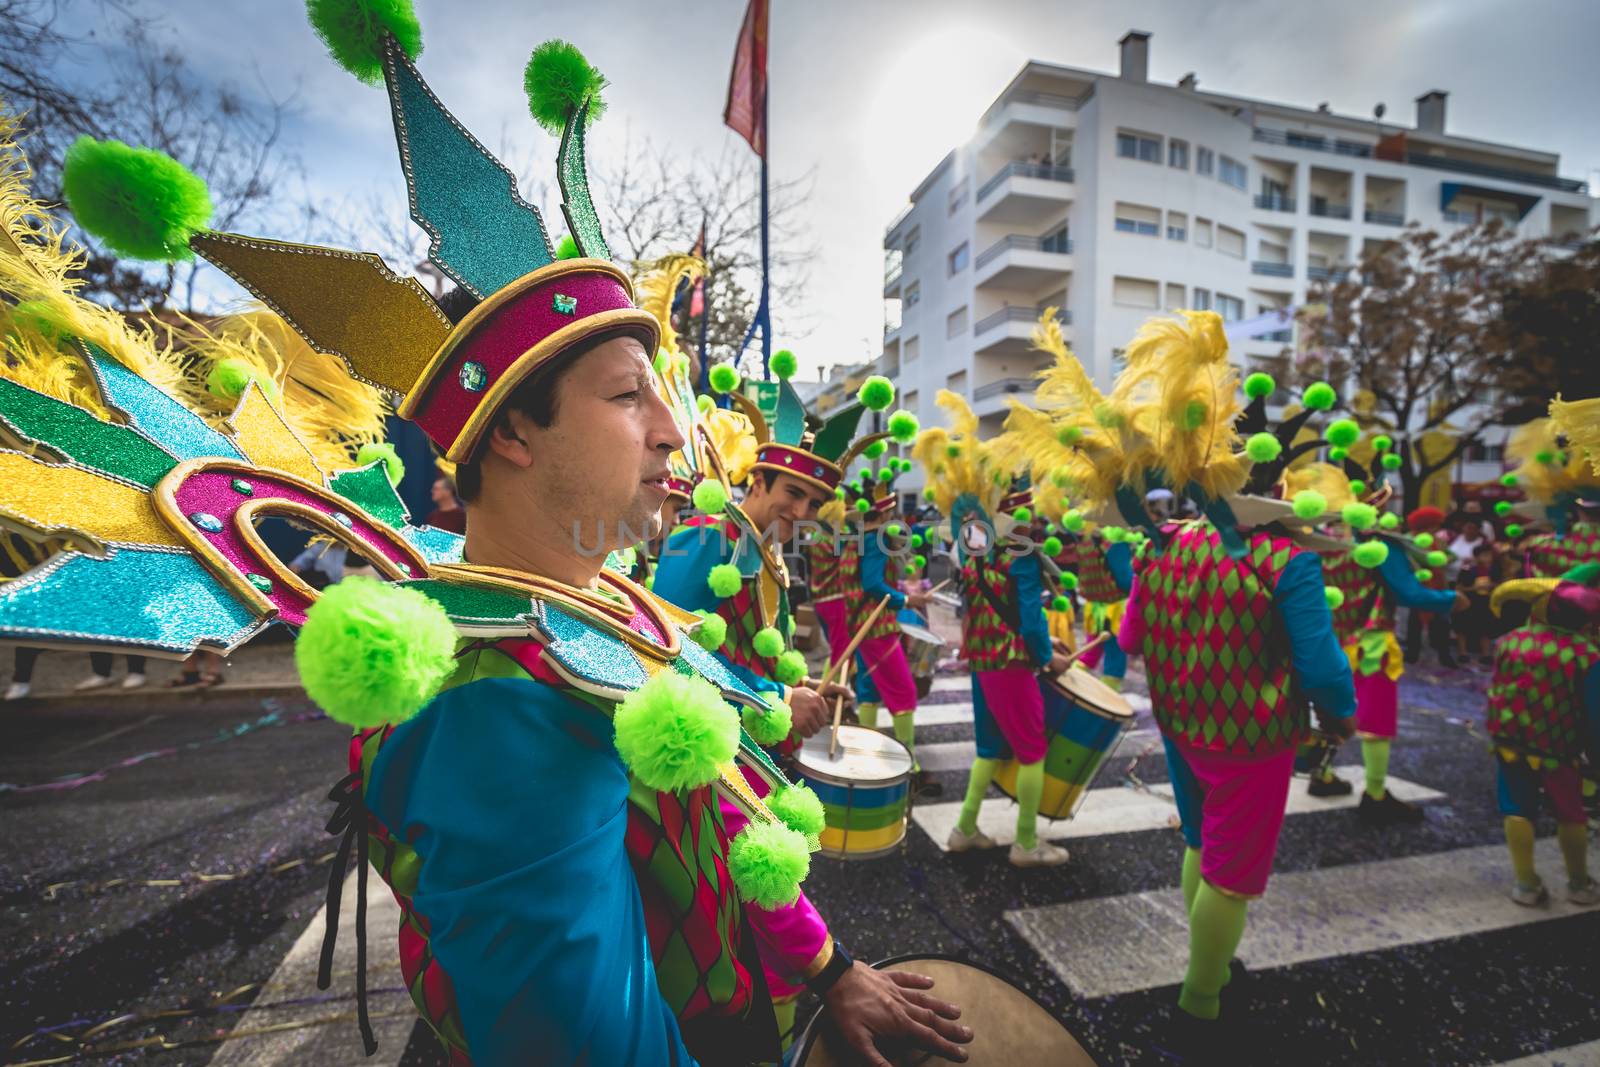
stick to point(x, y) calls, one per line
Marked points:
point(600, 468)
point(441, 493)
point(786, 503)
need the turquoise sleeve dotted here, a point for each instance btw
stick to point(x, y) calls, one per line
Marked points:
point(1030, 604)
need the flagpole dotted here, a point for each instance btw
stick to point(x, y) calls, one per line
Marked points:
point(764, 310)
point(705, 309)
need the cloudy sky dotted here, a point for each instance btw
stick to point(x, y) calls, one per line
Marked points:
point(869, 94)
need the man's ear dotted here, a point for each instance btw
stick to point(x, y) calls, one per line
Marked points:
point(509, 439)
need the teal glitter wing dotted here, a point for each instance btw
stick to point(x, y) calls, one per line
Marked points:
point(74, 434)
point(789, 426)
point(572, 173)
point(154, 413)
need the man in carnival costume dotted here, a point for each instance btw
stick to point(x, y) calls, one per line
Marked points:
point(1005, 639)
point(1230, 612)
point(541, 746)
point(1563, 489)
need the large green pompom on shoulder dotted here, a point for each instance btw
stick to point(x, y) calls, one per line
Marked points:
point(724, 378)
point(790, 668)
point(372, 652)
point(767, 642)
point(1334, 597)
point(712, 631)
point(559, 80)
point(354, 32)
point(724, 579)
point(784, 364)
point(1308, 504)
point(801, 811)
point(393, 465)
point(904, 427)
point(1263, 447)
point(140, 202)
point(675, 731)
point(768, 861)
point(770, 725)
point(710, 497)
point(1370, 554)
point(876, 393)
point(1319, 396)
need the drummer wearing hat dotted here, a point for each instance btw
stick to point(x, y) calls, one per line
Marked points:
point(1564, 489)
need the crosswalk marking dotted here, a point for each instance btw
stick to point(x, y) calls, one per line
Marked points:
point(958, 755)
point(1113, 945)
point(1117, 809)
point(1585, 1055)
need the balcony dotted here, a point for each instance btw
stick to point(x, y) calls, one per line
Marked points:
point(1335, 275)
point(888, 231)
point(1272, 270)
point(991, 399)
point(1019, 261)
point(891, 279)
point(1338, 146)
point(1275, 203)
point(1384, 218)
point(1025, 193)
point(1010, 329)
point(1330, 211)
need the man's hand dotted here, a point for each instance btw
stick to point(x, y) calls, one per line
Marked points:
point(811, 711)
point(866, 1004)
point(1059, 662)
point(1344, 729)
point(832, 691)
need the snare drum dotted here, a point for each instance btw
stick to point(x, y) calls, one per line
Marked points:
point(863, 790)
point(1084, 719)
point(923, 649)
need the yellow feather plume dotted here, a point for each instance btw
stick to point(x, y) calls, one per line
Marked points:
point(956, 462)
point(658, 284)
point(1579, 420)
point(1567, 470)
point(734, 438)
point(1323, 478)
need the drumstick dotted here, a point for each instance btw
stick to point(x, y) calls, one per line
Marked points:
point(855, 642)
point(838, 710)
point(940, 586)
point(1099, 640)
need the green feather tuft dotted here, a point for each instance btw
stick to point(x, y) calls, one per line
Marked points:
point(790, 668)
point(784, 364)
point(1370, 554)
point(1259, 385)
point(140, 202)
point(903, 427)
point(724, 579)
point(1319, 396)
point(1069, 435)
point(769, 726)
point(354, 31)
point(393, 465)
point(767, 642)
point(876, 393)
point(712, 631)
point(768, 861)
point(374, 652)
point(1342, 433)
point(675, 731)
point(559, 80)
point(1263, 447)
point(1544, 456)
point(709, 497)
point(1308, 504)
point(1194, 415)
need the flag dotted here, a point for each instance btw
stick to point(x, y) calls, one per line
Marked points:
point(746, 111)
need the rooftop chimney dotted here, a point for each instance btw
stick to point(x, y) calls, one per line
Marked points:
point(1430, 111)
point(1189, 82)
point(1135, 56)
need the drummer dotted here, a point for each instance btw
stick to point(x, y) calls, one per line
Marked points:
point(1004, 639)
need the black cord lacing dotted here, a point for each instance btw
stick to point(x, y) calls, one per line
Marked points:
point(350, 819)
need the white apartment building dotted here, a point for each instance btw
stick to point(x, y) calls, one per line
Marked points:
point(1113, 198)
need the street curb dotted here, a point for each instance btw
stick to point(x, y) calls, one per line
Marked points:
point(114, 697)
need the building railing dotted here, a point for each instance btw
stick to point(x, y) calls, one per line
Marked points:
point(1070, 103)
point(1384, 218)
point(1059, 245)
point(1327, 274)
point(1339, 146)
point(1273, 270)
point(1276, 337)
point(897, 220)
point(1270, 202)
point(1002, 387)
point(1017, 314)
point(1330, 211)
point(1025, 170)
point(892, 275)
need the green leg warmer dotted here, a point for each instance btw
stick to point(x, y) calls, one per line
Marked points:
point(1191, 878)
point(1030, 789)
point(1574, 839)
point(867, 715)
point(1519, 840)
point(977, 785)
point(905, 730)
point(1216, 926)
point(1375, 754)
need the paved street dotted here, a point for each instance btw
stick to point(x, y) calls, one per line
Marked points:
point(189, 880)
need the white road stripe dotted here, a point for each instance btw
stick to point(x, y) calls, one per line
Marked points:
point(1118, 809)
point(1585, 1055)
point(958, 755)
point(1306, 915)
point(952, 683)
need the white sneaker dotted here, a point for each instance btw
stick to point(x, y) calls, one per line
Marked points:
point(1530, 897)
point(1587, 897)
point(18, 691)
point(94, 681)
point(960, 841)
point(1043, 854)
point(133, 681)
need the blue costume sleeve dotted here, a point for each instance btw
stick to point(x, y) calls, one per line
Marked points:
point(1119, 561)
point(1321, 668)
point(1030, 599)
point(1395, 570)
point(682, 575)
point(516, 801)
point(874, 574)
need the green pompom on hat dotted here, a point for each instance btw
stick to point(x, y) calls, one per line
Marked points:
point(876, 393)
point(373, 451)
point(784, 364)
point(875, 449)
point(1263, 447)
point(1319, 396)
point(903, 427)
point(1052, 546)
point(559, 80)
point(1359, 516)
point(1308, 504)
point(354, 32)
point(1370, 554)
point(1391, 461)
point(567, 248)
point(139, 202)
point(1342, 433)
point(724, 378)
point(1259, 385)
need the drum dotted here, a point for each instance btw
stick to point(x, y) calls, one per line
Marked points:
point(863, 790)
point(1009, 1028)
point(1083, 719)
point(923, 649)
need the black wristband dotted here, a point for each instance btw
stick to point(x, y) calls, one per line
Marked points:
point(831, 971)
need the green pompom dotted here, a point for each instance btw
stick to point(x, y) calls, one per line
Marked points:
point(1060, 603)
point(1337, 455)
point(1263, 447)
point(917, 540)
point(1069, 581)
point(1513, 530)
point(790, 668)
point(372, 652)
point(1107, 415)
point(567, 248)
point(919, 561)
point(1509, 481)
point(886, 475)
point(724, 579)
point(1359, 516)
point(1423, 540)
point(724, 378)
point(1544, 456)
point(354, 32)
point(892, 530)
point(768, 861)
point(1370, 554)
point(1023, 514)
point(393, 465)
point(712, 631)
point(1358, 487)
point(767, 642)
point(705, 404)
point(1061, 478)
point(1073, 521)
point(1334, 597)
point(863, 505)
point(1502, 507)
point(1259, 385)
point(928, 494)
point(140, 202)
point(876, 393)
point(1343, 433)
point(1319, 396)
point(1052, 546)
point(709, 496)
point(801, 811)
point(953, 451)
point(1437, 558)
point(875, 449)
point(1388, 521)
point(229, 378)
point(1308, 504)
point(909, 570)
point(839, 492)
point(559, 80)
point(784, 364)
point(768, 726)
point(662, 361)
point(1382, 443)
point(1391, 461)
point(1424, 575)
point(904, 427)
point(1194, 415)
point(1114, 534)
point(675, 731)
point(1069, 435)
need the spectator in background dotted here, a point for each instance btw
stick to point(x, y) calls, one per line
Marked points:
point(1469, 534)
point(1429, 520)
point(1474, 626)
point(447, 513)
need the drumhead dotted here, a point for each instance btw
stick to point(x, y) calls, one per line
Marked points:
point(921, 633)
point(1084, 688)
point(864, 757)
point(1009, 1027)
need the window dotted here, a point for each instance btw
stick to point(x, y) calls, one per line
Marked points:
point(1137, 146)
point(1296, 139)
point(1271, 252)
point(1177, 226)
point(1056, 240)
point(957, 382)
point(955, 323)
point(1230, 242)
point(909, 401)
point(912, 349)
point(1232, 172)
point(913, 294)
point(1202, 233)
point(1136, 218)
point(1135, 293)
point(912, 239)
point(1178, 154)
point(1174, 296)
point(1231, 308)
point(958, 195)
point(956, 261)
point(1202, 299)
point(1204, 161)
